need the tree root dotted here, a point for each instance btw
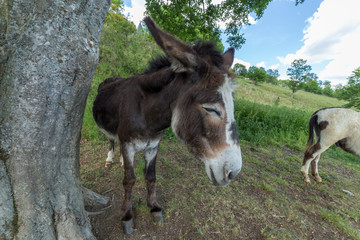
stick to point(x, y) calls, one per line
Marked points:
point(93, 199)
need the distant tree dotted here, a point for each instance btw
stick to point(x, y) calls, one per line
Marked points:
point(351, 92)
point(257, 75)
point(272, 76)
point(311, 84)
point(327, 90)
point(313, 87)
point(193, 19)
point(240, 69)
point(311, 77)
point(354, 79)
point(338, 91)
point(294, 85)
point(298, 72)
point(283, 83)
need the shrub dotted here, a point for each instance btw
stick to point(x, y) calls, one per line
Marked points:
point(262, 124)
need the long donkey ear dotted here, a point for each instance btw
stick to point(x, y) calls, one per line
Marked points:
point(228, 57)
point(182, 55)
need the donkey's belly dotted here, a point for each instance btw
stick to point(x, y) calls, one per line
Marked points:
point(110, 135)
point(353, 145)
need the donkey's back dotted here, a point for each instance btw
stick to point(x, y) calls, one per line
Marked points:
point(106, 105)
point(340, 123)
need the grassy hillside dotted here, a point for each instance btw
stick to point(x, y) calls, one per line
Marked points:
point(275, 95)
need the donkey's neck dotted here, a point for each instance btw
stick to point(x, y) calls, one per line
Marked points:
point(158, 101)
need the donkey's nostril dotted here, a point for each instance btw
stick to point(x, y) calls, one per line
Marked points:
point(231, 175)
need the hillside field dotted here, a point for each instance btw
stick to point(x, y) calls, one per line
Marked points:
point(268, 200)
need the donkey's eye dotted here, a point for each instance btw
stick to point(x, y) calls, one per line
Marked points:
point(213, 111)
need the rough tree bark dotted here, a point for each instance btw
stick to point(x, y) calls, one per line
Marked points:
point(48, 55)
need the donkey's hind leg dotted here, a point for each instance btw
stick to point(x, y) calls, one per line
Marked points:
point(305, 168)
point(128, 152)
point(110, 156)
point(150, 177)
point(309, 156)
point(121, 159)
point(314, 168)
point(312, 156)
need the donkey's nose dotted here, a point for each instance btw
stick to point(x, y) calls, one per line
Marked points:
point(232, 174)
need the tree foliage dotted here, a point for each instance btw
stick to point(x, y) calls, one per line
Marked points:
point(194, 19)
point(123, 52)
point(272, 76)
point(313, 86)
point(299, 70)
point(351, 92)
point(327, 90)
point(240, 69)
point(299, 73)
point(257, 75)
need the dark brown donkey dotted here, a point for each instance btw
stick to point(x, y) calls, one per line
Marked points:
point(189, 89)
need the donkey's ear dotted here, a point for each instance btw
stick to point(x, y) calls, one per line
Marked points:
point(182, 55)
point(228, 57)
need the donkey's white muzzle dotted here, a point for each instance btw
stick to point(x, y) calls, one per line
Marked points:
point(225, 167)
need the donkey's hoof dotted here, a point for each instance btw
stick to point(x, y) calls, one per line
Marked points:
point(128, 226)
point(108, 164)
point(318, 179)
point(157, 216)
point(307, 180)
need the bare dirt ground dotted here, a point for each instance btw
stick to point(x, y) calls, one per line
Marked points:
point(268, 200)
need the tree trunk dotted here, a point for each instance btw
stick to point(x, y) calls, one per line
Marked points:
point(48, 55)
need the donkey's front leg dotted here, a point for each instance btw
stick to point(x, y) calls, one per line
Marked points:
point(128, 183)
point(150, 177)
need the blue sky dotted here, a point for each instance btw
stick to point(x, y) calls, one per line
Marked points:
point(324, 32)
point(277, 33)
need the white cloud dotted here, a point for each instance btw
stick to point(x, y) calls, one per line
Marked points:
point(252, 20)
point(275, 66)
point(246, 64)
point(136, 12)
point(333, 35)
point(261, 64)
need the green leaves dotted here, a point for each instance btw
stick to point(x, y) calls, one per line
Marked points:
point(194, 19)
point(299, 73)
point(240, 69)
point(351, 92)
point(256, 74)
point(187, 20)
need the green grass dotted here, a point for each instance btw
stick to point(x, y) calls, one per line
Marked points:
point(339, 221)
point(269, 94)
point(263, 124)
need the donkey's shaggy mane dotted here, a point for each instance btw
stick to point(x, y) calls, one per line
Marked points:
point(157, 64)
point(205, 50)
